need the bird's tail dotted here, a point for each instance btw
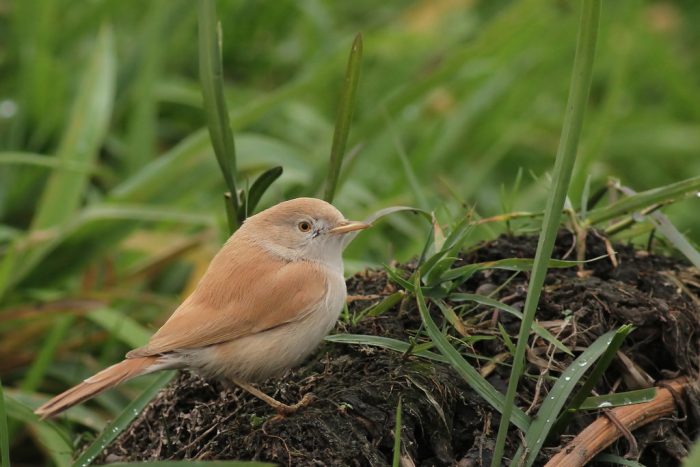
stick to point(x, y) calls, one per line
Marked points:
point(105, 379)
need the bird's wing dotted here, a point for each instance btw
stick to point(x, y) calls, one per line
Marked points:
point(264, 295)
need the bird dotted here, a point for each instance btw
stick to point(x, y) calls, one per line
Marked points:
point(269, 296)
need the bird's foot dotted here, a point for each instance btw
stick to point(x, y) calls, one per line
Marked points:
point(281, 408)
point(284, 410)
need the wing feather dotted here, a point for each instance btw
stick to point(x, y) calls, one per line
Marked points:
point(239, 297)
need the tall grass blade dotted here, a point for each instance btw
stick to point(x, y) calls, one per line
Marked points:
point(142, 127)
point(87, 126)
point(77, 152)
point(212, 80)
point(566, 157)
point(463, 368)
point(130, 412)
point(346, 107)
point(409, 173)
point(32, 380)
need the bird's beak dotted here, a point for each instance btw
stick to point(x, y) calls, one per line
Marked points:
point(348, 226)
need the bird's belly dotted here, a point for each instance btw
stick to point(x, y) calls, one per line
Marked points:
point(267, 354)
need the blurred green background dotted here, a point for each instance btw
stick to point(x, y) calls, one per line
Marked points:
point(111, 199)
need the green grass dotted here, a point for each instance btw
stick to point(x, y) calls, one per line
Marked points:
point(563, 168)
point(107, 165)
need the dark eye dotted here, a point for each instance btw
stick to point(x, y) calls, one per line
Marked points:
point(305, 226)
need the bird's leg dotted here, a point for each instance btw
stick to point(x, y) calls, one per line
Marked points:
point(280, 407)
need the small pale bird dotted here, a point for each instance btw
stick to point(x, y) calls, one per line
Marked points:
point(266, 301)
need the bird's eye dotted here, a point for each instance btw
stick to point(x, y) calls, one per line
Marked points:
point(304, 226)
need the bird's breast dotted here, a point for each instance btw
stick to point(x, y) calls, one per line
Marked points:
point(266, 354)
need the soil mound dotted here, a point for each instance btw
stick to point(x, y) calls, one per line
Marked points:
point(444, 422)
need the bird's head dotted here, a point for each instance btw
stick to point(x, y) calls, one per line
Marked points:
point(302, 229)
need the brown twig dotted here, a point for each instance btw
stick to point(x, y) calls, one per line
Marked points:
point(602, 432)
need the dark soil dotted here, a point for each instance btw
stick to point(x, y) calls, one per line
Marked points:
point(444, 422)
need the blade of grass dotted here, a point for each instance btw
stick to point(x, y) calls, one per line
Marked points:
point(435, 266)
point(566, 157)
point(385, 343)
point(346, 108)
point(463, 368)
point(381, 307)
point(396, 461)
point(141, 135)
point(86, 129)
point(120, 326)
point(449, 313)
point(595, 376)
point(552, 406)
point(509, 264)
point(4, 435)
point(585, 194)
point(432, 241)
point(409, 173)
point(83, 136)
point(643, 199)
point(76, 414)
point(114, 429)
point(536, 327)
point(259, 187)
point(618, 399)
point(677, 239)
point(212, 80)
point(49, 436)
point(35, 374)
point(40, 160)
point(506, 339)
point(77, 152)
point(82, 248)
point(8, 267)
point(668, 230)
point(395, 277)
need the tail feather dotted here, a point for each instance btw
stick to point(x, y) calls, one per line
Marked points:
point(97, 383)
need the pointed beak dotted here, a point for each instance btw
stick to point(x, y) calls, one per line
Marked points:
point(348, 226)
